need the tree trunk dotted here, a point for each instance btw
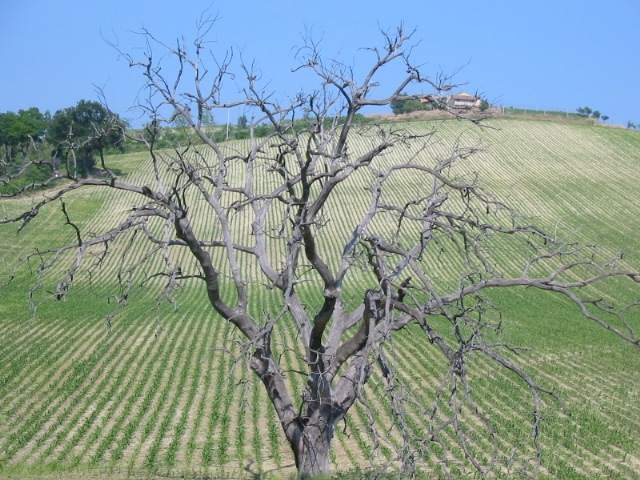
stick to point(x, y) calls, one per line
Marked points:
point(311, 451)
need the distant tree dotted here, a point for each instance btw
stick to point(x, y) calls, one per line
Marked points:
point(484, 105)
point(21, 135)
point(604, 118)
point(179, 120)
point(17, 130)
point(242, 121)
point(207, 118)
point(631, 125)
point(409, 103)
point(7, 122)
point(584, 111)
point(80, 132)
point(596, 114)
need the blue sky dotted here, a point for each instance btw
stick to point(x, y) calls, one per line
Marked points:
point(535, 54)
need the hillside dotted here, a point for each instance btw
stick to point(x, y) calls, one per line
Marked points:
point(88, 386)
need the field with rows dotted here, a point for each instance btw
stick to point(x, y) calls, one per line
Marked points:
point(89, 388)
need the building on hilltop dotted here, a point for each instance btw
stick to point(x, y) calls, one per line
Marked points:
point(464, 100)
point(459, 101)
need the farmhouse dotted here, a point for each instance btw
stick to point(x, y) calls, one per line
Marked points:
point(464, 100)
point(461, 101)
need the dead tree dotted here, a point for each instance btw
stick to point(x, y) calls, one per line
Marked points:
point(309, 154)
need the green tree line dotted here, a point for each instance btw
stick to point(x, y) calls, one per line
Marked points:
point(74, 137)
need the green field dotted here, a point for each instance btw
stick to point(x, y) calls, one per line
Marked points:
point(88, 387)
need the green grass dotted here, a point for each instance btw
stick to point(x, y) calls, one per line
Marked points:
point(554, 114)
point(154, 393)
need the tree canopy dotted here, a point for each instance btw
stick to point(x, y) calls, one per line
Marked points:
point(407, 105)
point(80, 132)
point(18, 129)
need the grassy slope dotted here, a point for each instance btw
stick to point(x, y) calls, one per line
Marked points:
point(152, 392)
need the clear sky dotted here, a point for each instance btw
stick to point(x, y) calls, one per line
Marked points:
point(546, 54)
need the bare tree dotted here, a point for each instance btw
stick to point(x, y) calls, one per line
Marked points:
point(309, 156)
